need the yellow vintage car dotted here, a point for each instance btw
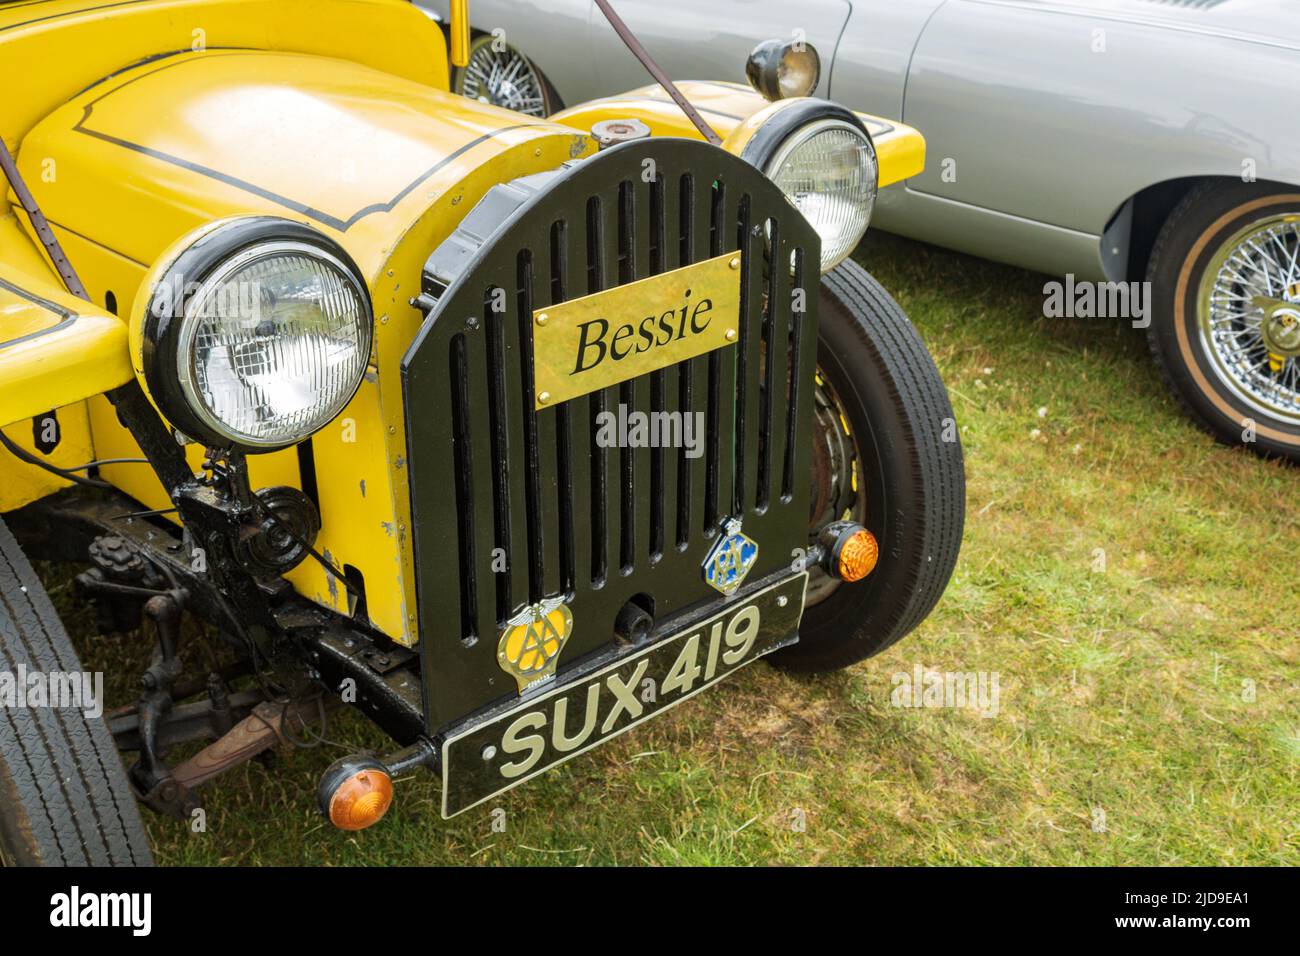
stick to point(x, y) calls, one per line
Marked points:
point(510, 432)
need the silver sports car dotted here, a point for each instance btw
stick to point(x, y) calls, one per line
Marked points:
point(1114, 142)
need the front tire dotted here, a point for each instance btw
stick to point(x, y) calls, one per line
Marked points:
point(64, 796)
point(897, 469)
point(1225, 329)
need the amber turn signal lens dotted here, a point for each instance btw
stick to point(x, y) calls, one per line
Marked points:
point(361, 800)
point(858, 556)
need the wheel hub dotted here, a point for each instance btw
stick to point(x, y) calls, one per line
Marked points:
point(1280, 328)
point(836, 481)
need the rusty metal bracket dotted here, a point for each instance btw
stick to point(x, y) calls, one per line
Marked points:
point(262, 729)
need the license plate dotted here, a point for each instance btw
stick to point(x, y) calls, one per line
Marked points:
point(627, 331)
point(504, 750)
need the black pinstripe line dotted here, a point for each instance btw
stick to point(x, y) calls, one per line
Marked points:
point(69, 13)
point(342, 225)
point(66, 316)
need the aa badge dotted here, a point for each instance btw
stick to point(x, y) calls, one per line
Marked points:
point(730, 559)
point(532, 640)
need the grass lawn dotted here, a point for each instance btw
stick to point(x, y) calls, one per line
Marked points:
point(1131, 585)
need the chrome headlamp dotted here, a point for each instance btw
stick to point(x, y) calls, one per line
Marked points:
point(782, 69)
point(257, 335)
point(823, 159)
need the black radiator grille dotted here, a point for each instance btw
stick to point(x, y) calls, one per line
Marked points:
point(621, 535)
point(525, 504)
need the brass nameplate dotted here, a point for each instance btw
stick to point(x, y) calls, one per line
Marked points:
point(625, 332)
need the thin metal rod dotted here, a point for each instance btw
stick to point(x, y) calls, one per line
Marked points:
point(642, 54)
point(42, 226)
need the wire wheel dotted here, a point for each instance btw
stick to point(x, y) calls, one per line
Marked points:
point(499, 74)
point(1248, 315)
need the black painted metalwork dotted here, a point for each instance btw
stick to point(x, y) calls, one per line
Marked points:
point(600, 526)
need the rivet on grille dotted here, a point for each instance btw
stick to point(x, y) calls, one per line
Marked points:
point(543, 397)
point(541, 318)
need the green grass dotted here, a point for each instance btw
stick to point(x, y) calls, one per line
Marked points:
point(1158, 686)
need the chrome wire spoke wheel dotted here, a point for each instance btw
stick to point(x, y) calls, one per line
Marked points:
point(1248, 315)
point(837, 479)
point(503, 77)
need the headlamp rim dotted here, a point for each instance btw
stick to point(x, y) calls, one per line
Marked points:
point(807, 132)
point(198, 268)
point(784, 128)
point(788, 121)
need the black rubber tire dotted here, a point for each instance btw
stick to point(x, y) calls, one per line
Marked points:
point(550, 99)
point(914, 479)
point(64, 795)
point(1205, 218)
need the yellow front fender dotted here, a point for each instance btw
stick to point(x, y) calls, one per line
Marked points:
point(55, 349)
point(735, 112)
